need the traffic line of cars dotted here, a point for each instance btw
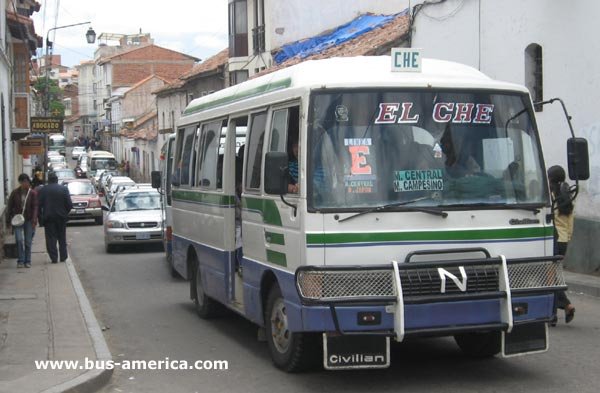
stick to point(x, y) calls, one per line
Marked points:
point(131, 212)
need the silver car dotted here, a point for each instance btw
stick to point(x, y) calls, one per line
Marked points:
point(133, 217)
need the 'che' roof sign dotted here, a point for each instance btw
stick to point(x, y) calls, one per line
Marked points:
point(406, 60)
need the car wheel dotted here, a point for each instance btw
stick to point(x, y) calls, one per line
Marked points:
point(205, 306)
point(99, 220)
point(109, 248)
point(291, 352)
point(479, 344)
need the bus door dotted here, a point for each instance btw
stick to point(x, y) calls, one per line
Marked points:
point(270, 228)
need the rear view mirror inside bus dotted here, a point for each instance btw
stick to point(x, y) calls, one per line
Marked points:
point(276, 173)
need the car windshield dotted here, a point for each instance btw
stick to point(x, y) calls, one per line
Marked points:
point(137, 201)
point(81, 188)
point(443, 148)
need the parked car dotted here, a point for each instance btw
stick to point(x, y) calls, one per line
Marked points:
point(81, 167)
point(64, 174)
point(77, 152)
point(103, 179)
point(56, 161)
point(134, 216)
point(86, 202)
point(113, 183)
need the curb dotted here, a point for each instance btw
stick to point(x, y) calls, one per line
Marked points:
point(91, 380)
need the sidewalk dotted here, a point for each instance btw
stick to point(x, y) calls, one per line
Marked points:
point(45, 315)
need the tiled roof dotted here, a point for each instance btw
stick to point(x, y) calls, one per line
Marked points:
point(140, 47)
point(140, 131)
point(208, 65)
point(375, 42)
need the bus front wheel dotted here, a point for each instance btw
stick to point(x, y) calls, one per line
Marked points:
point(479, 344)
point(291, 352)
point(205, 306)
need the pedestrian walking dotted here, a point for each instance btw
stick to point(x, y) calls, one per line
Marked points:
point(127, 168)
point(55, 204)
point(22, 212)
point(562, 209)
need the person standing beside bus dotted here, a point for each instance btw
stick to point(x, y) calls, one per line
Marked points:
point(562, 209)
point(55, 204)
point(23, 201)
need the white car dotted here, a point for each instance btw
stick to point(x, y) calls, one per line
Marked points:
point(77, 151)
point(134, 216)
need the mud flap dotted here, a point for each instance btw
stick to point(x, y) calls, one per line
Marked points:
point(525, 339)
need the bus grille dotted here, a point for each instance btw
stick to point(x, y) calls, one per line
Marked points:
point(427, 282)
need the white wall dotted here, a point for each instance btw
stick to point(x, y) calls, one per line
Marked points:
point(571, 56)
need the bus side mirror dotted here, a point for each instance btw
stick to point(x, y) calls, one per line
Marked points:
point(276, 173)
point(155, 179)
point(578, 159)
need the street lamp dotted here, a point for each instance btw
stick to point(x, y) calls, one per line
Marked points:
point(90, 36)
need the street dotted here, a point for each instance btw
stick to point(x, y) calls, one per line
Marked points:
point(148, 316)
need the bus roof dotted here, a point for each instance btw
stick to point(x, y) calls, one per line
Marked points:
point(100, 153)
point(352, 72)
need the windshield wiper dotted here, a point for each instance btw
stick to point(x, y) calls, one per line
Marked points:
point(501, 205)
point(430, 210)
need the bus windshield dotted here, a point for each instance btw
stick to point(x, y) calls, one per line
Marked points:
point(436, 148)
point(108, 163)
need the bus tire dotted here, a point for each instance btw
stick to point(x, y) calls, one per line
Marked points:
point(479, 344)
point(205, 306)
point(290, 352)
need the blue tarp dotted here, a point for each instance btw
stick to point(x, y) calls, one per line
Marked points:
point(353, 29)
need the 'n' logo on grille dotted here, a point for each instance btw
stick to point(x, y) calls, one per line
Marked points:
point(462, 285)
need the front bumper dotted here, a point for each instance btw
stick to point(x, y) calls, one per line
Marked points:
point(87, 213)
point(132, 236)
point(429, 298)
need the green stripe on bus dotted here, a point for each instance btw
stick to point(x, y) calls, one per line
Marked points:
point(270, 87)
point(275, 238)
point(203, 197)
point(276, 258)
point(478, 234)
point(267, 208)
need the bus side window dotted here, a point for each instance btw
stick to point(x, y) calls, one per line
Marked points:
point(208, 161)
point(255, 149)
point(186, 155)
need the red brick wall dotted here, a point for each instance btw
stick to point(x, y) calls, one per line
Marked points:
point(127, 74)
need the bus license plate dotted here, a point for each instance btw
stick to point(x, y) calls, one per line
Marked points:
point(352, 352)
point(142, 236)
point(80, 211)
